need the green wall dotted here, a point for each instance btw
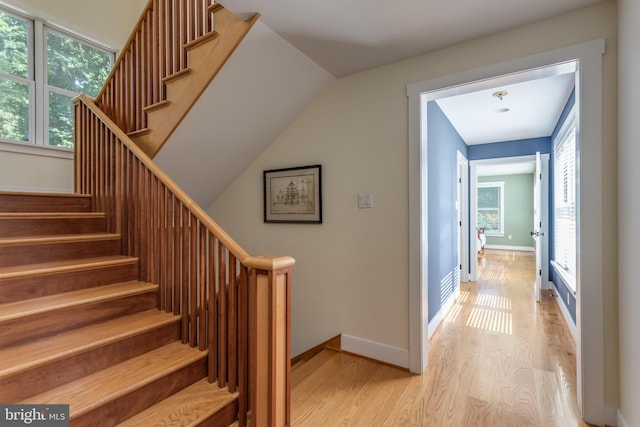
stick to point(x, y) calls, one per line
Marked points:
point(518, 209)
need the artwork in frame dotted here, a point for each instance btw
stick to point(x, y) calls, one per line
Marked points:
point(293, 195)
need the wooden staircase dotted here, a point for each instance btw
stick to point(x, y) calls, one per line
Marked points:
point(175, 67)
point(78, 327)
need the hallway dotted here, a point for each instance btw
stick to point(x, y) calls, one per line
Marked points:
point(498, 359)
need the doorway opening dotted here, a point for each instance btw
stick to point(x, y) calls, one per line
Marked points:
point(588, 57)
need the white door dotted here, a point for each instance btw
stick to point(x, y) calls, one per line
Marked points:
point(537, 232)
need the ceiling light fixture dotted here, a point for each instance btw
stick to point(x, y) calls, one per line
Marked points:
point(500, 94)
point(501, 110)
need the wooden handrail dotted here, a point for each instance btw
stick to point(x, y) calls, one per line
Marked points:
point(234, 306)
point(187, 201)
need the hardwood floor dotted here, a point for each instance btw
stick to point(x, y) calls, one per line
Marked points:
point(498, 359)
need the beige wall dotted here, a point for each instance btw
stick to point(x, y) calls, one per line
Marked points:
point(108, 22)
point(351, 274)
point(629, 205)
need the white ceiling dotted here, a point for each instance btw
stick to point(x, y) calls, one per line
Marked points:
point(533, 108)
point(346, 37)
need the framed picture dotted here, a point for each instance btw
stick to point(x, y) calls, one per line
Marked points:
point(293, 195)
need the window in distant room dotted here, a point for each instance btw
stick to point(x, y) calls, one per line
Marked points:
point(491, 207)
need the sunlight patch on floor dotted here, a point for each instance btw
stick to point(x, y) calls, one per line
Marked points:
point(491, 320)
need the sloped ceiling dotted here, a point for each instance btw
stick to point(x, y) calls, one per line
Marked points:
point(347, 37)
point(265, 84)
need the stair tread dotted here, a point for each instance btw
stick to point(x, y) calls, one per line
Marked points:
point(62, 266)
point(37, 353)
point(183, 409)
point(37, 194)
point(18, 309)
point(48, 215)
point(35, 240)
point(95, 390)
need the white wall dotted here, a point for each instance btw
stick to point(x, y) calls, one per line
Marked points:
point(351, 274)
point(629, 209)
point(107, 22)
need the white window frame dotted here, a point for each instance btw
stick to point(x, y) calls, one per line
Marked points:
point(568, 276)
point(39, 87)
point(500, 185)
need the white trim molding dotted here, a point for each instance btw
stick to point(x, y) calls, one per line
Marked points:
point(565, 313)
point(375, 350)
point(621, 421)
point(511, 248)
point(437, 319)
point(590, 343)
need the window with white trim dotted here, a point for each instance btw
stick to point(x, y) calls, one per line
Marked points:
point(42, 68)
point(490, 207)
point(564, 200)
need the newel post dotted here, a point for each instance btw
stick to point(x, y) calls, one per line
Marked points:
point(270, 340)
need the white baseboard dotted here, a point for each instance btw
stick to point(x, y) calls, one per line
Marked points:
point(36, 190)
point(511, 248)
point(375, 350)
point(621, 421)
point(437, 319)
point(567, 316)
point(611, 415)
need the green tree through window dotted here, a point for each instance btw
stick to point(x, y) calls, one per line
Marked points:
point(70, 66)
point(14, 78)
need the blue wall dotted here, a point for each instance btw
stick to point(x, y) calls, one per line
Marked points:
point(444, 142)
point(559, 284)
point(523, 147)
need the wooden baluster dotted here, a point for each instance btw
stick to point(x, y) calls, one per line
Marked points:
point(232, 322)
point(154, 226)
point(243, 346)
point(202, 306)
point(222, 315)
point(184, 39)
point(162, 28)
point(193, 282)
point(167, 244)
point(155, 54)
point(177, 257)
point(77, 158)
point(185, 275)
point(212, 324)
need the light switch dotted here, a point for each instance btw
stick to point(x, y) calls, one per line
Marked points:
point(365, 200)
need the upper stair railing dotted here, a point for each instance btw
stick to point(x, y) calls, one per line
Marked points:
point(155, 51)
point(234, 306)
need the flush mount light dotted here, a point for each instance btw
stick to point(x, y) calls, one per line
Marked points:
point(500, 94)
point(501, 110)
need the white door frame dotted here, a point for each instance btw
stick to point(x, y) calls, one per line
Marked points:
point(463, 217)
point(590, 326)
point(473, 188)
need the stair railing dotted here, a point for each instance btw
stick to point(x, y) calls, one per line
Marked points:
point(155, 51)
point(234, 306)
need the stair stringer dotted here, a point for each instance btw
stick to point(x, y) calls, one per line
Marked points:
point(205, 59)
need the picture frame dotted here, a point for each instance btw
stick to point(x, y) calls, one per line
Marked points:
point(293, 195)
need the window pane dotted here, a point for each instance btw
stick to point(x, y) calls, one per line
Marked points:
point(488, 197)
point(14, 45)
point(75, 66)
point(490, 219)
point(14, 110)
point(60, 120)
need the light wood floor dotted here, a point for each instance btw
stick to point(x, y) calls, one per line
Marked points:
point(499, 359)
